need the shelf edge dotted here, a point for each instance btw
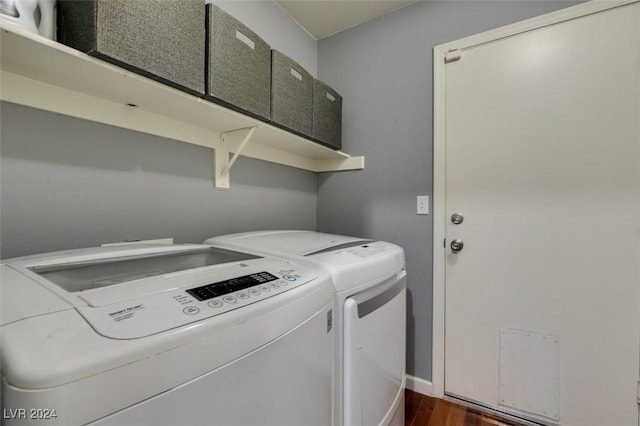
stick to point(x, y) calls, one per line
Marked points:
point(351, 163)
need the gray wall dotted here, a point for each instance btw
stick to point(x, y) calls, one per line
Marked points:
point(275, 27)
point(67, 183)
point(383, 70)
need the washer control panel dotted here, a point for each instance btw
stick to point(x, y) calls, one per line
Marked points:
point(230, 286)
point(162, 311)
point(223, 296)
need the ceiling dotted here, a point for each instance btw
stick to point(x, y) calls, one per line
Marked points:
point(322, 18)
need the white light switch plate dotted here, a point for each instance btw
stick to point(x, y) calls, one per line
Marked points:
point(422, 206)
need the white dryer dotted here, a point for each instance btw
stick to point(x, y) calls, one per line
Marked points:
point(164, 335)
point(370, 316)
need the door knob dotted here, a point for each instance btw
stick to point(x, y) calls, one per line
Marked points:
point(457, 245)
point(457, 218)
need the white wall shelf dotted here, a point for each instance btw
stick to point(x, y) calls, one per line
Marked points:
point(44, 74)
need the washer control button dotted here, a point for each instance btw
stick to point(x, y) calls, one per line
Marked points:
point(191, 310)
point(254, 291)
point(242, 295)
point(264, 288)
point(214, 303)
point(289, 277)
point(274, 285)
point(230, 299)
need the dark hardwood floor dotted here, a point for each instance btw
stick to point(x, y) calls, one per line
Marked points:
point(422, 410)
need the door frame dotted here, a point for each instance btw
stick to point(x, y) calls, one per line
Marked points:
point(439, 141)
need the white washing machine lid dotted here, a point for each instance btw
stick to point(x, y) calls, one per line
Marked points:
point(353, 262)
point(302, 243)
point(74, 314)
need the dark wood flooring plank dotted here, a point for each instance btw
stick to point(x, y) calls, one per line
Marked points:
point(472, 418)
point(412, 401)
point(424, 413)
point(490, 420)
point(456, 415)
point(423, 410)
point(440, 413)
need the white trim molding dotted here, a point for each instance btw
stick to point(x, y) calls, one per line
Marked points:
point(419, 385)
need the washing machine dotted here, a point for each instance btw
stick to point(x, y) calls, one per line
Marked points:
point(165, 335)
point(370, 316)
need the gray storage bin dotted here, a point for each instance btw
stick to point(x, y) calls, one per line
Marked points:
point(238, 65)
point(291, 95)
point(160, 39)
point(327, 115)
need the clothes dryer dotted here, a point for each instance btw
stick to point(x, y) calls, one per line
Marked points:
point(164, 335)
point(370, 316)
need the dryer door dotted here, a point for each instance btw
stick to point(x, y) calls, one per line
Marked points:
point(374, 354)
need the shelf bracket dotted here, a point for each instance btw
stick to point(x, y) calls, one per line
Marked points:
point(222, 163)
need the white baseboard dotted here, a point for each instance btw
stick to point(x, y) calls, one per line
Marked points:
point(419, 385)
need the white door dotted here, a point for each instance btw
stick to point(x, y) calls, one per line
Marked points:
point(543, 163)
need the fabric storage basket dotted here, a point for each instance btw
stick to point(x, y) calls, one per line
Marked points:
point(327, 115)
point(238, 65)
point(291, 94)
point(160, 39)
